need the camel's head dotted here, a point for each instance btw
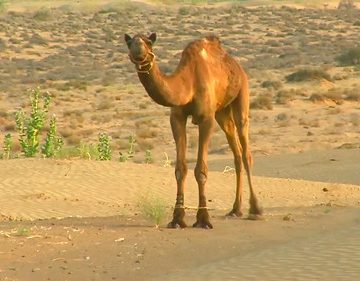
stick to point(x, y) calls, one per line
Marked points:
point(140, 49)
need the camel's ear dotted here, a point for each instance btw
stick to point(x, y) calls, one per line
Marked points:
point(127, 38)
point(152, 38)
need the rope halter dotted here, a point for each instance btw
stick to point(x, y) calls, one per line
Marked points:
point(145, 65)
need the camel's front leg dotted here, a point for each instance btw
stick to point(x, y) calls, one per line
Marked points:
point(201, 173)
point(178, 127)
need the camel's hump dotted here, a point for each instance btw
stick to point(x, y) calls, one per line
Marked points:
point(206, 42)
point(213, 39)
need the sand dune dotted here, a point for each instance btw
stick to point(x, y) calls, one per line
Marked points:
point(39, 189)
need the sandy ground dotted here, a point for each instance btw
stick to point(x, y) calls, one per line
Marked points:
point(81, 220)
point(66, 220)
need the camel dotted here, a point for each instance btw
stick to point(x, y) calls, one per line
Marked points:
point(210, 86)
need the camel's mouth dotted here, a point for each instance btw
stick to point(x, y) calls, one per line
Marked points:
point(138, 57)
point(144, 64)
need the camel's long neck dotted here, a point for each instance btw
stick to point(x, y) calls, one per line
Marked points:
point(173, 90)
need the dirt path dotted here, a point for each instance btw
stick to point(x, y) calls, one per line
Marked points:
point(332, 254)
point(118, 248)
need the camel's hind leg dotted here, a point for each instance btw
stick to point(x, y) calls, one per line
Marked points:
point(226, 122)
point(240, 108)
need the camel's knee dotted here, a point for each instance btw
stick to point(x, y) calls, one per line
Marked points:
point(201, 173)
point(247, 158)
point(244, 121)
point(238, 162)
point(181, 171)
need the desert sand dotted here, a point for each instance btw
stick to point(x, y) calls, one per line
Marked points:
point(75, 218)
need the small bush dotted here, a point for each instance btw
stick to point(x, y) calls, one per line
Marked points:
point(284, 97)
point(350, 57)
point(333, 96)
point(353, 96)
point(42, 15)
point(262, 102)
point(53, 143)
point(276, 85)
point(30, 127)
point(8, 144)
point(308, 75)
point(88, 151)
point(131, 150)
point(153, 208)
point(37, 39)
point(104, 147)
point(184, 11)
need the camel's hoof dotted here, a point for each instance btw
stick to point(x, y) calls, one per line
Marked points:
point(176, 224)
point(234, 214)
point(256, 217)
point(203, 224)
point(203, 219)
point(256, 210)
point(178, 219)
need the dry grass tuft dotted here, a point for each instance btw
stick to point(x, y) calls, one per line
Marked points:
point(308, 74)
point(262, 102)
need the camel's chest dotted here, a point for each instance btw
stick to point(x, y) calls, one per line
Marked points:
point(200, 110)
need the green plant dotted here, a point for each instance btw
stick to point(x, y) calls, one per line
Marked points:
point(350, 57)
point(88, 151)
point(29, 128)
point(148, 157)
point(153, 208)
point(131, 150)
point(104, 147)
point(22, 231)
point(53, 143)
point(7, 146)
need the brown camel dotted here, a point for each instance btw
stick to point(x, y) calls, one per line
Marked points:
point(209, 85)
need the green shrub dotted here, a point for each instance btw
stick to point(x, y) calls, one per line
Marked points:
point(7, 146)
point(153, 208)
point(53, 143)
point(308, 75)
point(30, 127)
point(350, 57)
point(148, 157)
point(131, 150)
point(104, 147)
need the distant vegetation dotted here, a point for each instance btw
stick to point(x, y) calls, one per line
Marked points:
point(308, 75)
point(2, 5)
point(350, 57)
point(32, 126)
